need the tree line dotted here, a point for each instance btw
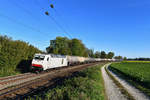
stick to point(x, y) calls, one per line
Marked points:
point(139, 59)
point(16, 55)
point(75, 47)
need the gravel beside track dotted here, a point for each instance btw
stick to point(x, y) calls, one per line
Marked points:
point(111, 89)
point(137, 94)
point(5, 78)
point(9, 78)
point(14, 80)
point(40, 82)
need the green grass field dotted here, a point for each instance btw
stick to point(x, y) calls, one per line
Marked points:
point(136, 72)
point(86, 85)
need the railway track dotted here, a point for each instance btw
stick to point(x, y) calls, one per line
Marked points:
point(20, 86)
point(14, 80)
point(14, 76)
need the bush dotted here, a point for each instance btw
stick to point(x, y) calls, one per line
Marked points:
point(12, 54)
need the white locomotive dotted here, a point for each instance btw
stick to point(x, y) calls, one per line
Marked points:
point(47, 61)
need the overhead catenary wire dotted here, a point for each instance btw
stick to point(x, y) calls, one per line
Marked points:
point(29, 13)
point(56, 12)
point(43, 9)
point(23, 8)
point(53, 19)
point(60, 17)
point(59, 25)
point(52, 5)
point(26, 26)
point(22, 24)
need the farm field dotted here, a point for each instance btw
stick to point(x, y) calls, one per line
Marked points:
point(86, 85)
point(135, 72)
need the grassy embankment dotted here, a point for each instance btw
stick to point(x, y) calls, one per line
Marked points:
point(86, 85)
point(135, 72)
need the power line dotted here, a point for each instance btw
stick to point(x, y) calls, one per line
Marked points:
point(39, 5)
point(59, 25)
point(31, 14)
point(27, 12)
point(20, 23)
point(56, 12)
point(55, 21)
point(24, 9)
point(60, 17)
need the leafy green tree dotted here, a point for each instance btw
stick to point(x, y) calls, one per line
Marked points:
point(97, 54)
point(90, 53)
point(64, 46)
point(13, 53)
point(110, 55)
point(118, 57)
point(103, 54)
point(75, 47)
point(78, 48)
point(124, 58)
point(0, 47)
point(61, 45)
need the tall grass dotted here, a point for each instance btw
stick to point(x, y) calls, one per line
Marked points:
point(87, 85)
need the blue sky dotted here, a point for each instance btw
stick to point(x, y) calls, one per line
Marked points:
point(121, 26)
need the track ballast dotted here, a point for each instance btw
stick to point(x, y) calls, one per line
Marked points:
point(30, 83)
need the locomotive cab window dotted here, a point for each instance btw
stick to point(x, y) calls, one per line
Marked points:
point(39, 57)
point(48, 59)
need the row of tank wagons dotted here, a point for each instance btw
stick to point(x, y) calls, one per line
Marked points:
point(48, 61)
point(74, 60)
point(81, 60)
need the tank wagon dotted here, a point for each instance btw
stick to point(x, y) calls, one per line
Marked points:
point(48, 61)
point(73, 60)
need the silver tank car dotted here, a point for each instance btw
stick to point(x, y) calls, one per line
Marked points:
point(72, 60)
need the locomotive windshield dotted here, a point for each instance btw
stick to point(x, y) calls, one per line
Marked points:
point(39, 57)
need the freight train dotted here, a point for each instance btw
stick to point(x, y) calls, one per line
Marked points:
point(42, 62)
